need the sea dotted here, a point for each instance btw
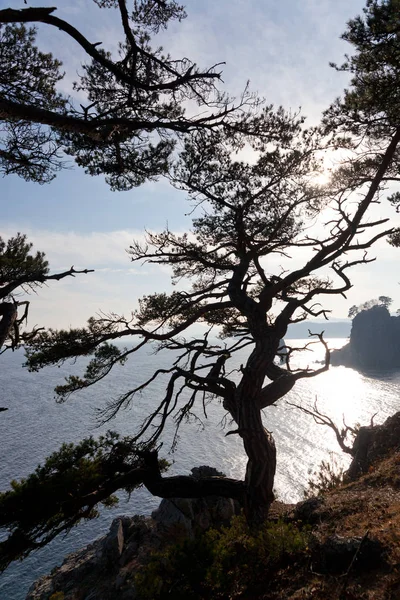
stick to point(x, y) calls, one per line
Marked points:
point(35, 425)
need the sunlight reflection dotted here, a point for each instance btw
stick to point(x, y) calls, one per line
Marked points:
point(341, 391)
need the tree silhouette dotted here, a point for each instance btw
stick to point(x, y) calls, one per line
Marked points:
point(21, 272)
point(268, 247)
point(135, 107)
point(226, 278)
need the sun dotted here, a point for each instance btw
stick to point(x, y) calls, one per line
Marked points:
point(322, 178)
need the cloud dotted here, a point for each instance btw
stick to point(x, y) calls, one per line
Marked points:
point(115, 286)
point(92, 250)
point(141, 272)
point(282, 48)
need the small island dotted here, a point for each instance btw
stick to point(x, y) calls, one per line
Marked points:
point(374, 339)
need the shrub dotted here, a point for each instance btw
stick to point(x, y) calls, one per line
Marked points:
point(329, 476)
point(220, 563)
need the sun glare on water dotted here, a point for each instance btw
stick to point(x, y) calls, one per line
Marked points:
point(340, 391)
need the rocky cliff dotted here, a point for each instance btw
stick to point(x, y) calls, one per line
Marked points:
point(374, 341)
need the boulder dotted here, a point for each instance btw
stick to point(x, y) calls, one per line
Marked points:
point(193, 515)
point(113, 544)
point(373, 443)
point(338, 554)
point(309, 511)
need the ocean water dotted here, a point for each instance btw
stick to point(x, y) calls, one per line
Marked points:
point(35, 425)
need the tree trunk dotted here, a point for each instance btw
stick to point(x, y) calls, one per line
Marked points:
point(258, 443)
point(9, 313)
point(261, 466)
point(362, 443)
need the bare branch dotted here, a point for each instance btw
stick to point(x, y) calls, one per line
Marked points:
point(322, 419)
point(7, 289)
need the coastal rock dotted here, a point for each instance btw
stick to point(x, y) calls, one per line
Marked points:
point(114, 542)
point(374, 341)
point(171, 515)
point(106, 569)
point(373, 443)
point(99, 571)
point(194, 515)
point(309, 511)
point(337, 554)
point(78, 566)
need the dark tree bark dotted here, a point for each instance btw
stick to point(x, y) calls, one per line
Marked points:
point(181, 486)
point(9, 314)
point(257, 440)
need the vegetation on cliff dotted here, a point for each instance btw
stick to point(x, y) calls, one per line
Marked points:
point(21, 272)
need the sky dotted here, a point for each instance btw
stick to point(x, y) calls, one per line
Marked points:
point(283, 48)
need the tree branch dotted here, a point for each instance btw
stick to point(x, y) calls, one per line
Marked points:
point(322, 419)
point(7, 289)
point(44, 15)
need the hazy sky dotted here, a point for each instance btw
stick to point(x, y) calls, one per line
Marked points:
point(283, 48)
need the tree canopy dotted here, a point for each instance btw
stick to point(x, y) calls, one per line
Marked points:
point(365, 119)
point(267, 248)
point(137, 104)
point(384, 301)
point(21, 273)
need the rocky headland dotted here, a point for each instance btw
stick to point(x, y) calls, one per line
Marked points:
point(374, 342)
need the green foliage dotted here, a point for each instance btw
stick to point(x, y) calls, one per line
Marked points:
point(151, 15)
point(384, 301)
point(328, 477)
point(105, 357)
point(221, 563)
point(131, 109)
point(366, 117)
point(21, 271)
point(394, 238)
point(18, 263)
point(171, 308)
point(30, 77)
point(53, 347)
point(374, 99)
point(66, 489)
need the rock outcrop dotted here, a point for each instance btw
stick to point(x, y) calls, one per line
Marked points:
point(106, 569)
point(103, 570)
point(373, 443)
point(374, 341)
